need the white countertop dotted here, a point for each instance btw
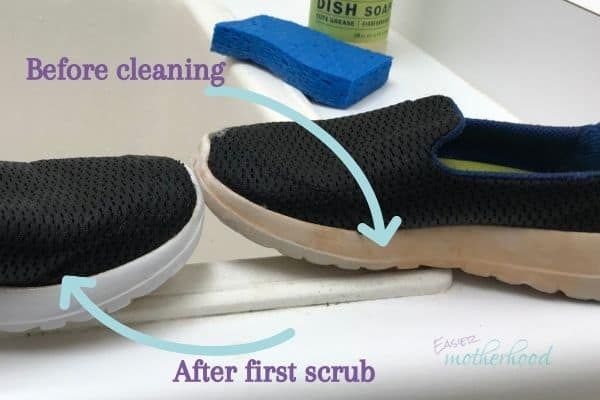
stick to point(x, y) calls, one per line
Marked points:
point(395, 336)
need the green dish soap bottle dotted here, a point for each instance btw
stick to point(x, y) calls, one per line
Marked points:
point(365, 23)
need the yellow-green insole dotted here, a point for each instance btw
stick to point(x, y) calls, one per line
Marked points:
point(474, 166)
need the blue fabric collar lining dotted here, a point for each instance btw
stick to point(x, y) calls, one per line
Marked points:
point(545, 151)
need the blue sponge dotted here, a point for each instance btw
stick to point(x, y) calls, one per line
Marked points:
point(326, 70)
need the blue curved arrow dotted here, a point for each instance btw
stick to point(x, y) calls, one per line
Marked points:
point(71, 287)
point(379, 233)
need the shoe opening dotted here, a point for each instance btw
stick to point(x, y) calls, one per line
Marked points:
point(503, 147)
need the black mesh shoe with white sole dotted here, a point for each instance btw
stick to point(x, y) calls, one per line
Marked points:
point(129, 222)
point(515, 201)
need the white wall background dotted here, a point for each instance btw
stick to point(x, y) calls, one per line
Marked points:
point(538, 58)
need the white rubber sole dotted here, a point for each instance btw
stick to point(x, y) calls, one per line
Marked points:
point(23, 309)
point(549, 261)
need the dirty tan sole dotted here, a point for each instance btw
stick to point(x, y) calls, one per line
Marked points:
point(549, 261)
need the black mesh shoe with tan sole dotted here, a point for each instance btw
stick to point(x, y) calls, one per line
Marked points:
point(514, 201)
point(129, 222)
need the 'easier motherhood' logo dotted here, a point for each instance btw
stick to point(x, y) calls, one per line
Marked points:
point(477, 352)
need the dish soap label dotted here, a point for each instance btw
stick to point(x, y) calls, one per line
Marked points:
point(361, 21)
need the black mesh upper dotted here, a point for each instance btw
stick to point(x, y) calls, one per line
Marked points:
point(284, 168)
point(86, 216)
